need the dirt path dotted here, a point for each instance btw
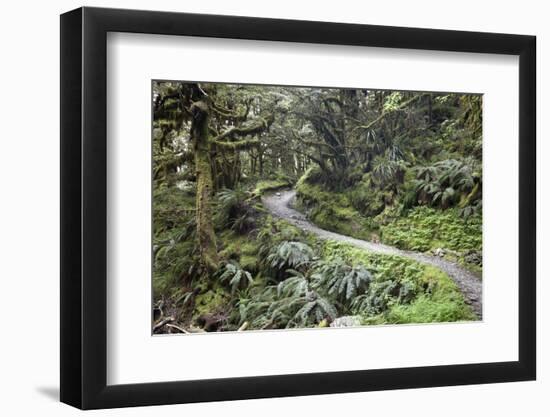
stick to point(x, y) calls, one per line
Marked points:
point(469, 284)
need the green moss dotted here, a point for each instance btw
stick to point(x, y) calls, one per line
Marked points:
point(424, 229)
point(242, 249)
point(263, 187)
point(249, 262)
point(332, 211)
point(276, 231)
point(249, 256)
point(211, 301)
point(340, 219)
point(385, 267)
point(428, 310)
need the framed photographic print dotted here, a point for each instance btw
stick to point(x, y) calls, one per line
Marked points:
point(257, 208)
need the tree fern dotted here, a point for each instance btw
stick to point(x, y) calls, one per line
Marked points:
point(442, 183)
point(295, 286)
point(290, 255)
point(235, 276)
point(340, 279)
point(314, 310)
point(376, 299)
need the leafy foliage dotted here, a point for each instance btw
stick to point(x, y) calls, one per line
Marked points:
point(445, 183)
point(315, 309)
point(266, 186)
point(290, 255)
point(235, 276)
point(400, 288)
point(297, 285)
point(334, 211)
point(381, 294)
point(388, 169)
point(341, 279)
point(424, 229)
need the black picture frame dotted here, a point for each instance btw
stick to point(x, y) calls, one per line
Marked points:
point(84, 207)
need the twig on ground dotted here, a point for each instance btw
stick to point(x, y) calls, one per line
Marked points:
point(162, 322)
point(173, 326)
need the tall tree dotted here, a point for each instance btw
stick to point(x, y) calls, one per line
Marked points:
point(217, 133)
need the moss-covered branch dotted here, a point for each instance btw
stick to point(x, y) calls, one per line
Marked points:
point(258, 126)
point(230, 114)
point(239, 145)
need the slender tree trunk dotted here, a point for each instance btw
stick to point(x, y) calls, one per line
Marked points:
point(261, 161)
point(252, 164)
point(236, 177)
point(205, 227)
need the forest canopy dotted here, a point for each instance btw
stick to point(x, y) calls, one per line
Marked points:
point(274, 207)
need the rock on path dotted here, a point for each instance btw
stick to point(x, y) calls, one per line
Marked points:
point(280, 206)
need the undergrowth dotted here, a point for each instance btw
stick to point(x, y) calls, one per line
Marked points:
point(406, 291)
point(273, 275)
point(424, 228)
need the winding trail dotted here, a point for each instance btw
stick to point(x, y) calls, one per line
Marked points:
point(468, 283)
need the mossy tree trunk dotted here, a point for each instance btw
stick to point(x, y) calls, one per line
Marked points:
point(205, 227)
point(217, 163)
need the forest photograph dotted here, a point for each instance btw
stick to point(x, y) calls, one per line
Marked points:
point(278, 207)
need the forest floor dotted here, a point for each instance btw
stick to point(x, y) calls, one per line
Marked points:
point(280, 205)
